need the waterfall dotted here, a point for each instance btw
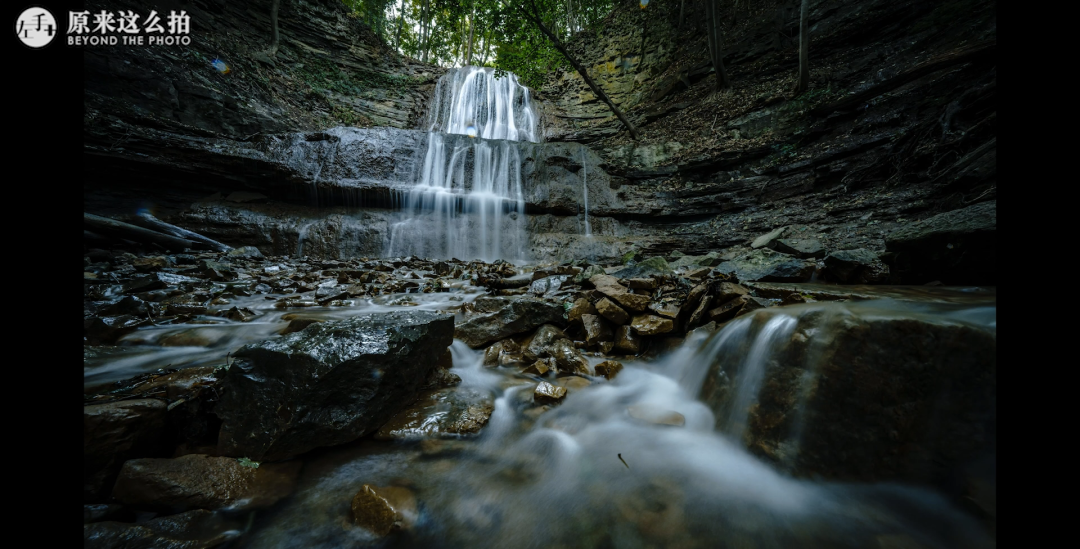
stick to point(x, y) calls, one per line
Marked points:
point(468, 201)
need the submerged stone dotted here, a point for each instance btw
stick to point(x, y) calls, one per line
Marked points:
point(444, 412)
point(199, 481)
point(384, 509)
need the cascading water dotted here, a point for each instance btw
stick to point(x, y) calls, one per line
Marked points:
point(468, 201)
point(589, 473)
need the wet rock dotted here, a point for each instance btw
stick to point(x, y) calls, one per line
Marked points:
point(792, 299)
point(957, 247)
point(518, 316)
point(609, 368)
point(440, 378)
point(727, 310)
point(240, 314)
point(655, 415)
point(580, 307)
point(803, 248)
point(588, 273)
point(700, 273)
point(503, 353)
point(327, 294)
point(192, 337)
point(447, 412)
point(548, 285)
point(177, 385)
point(567, 358)
point(107, 330)
point(700, 313)
point(329, 384)
point(669, 310)
point(298, 322)
point(596, 330)
point(641, 283)
point(198, 529)
point(96, 512)
point(767, 265)
point(648, 325)
point(766, 239)
point(607, 346)
point(610, 287)
point(858, 266)
point(573, 383)
point(711, 259)
point(128, 305)
point(539, 368)
point(546, 393)
point(565, 270)
point(538, 345)
point(654, 266)
point(869, 386)
point(148, 264)
point(247, 252)
point(199, 481)
point(114, 432)
point(612, 312)
point(728, 291)
point(384, 509)
point(751, 303)
point(627, 341)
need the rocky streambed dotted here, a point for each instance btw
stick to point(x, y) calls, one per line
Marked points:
point(237, 400)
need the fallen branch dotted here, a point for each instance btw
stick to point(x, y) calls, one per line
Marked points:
point(118, 229)
point(150, 222)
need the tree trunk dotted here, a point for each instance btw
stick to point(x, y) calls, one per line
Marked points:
point(803, 82)
point(148, 221)
point(424, 31)
point(275, 37)
point(581, 70)
point(119, 229)
point(472, 31)
point(682, 12)
point(716, 44)
point(400, 23)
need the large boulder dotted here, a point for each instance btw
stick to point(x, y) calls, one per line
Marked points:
point(610, 287)
point(858, 266)
point(115, 432)
point(198, 481)
point(767, 265)
point(329, 384)
point(851, 392)
point(957, 247)
point(511, 318)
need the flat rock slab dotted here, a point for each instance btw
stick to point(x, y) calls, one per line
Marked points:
point(515, 317)
point(767, 265)
point(198, 481)
point(191, 530)
point(329, 384)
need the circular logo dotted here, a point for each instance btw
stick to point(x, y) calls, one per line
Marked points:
point(36, 27)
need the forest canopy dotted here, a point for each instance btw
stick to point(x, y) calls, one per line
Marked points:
point(492, 33)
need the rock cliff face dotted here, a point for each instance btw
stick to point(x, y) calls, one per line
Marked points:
point(898, 127)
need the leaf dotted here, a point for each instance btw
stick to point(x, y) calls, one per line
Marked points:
point(245, 462)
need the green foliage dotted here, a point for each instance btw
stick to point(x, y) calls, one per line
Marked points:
point(503, 37)
point(245, 462)
point(323, 74)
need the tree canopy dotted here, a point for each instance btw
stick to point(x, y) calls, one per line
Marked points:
point(439, 32)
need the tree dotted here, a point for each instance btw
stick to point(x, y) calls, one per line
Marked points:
point(532, 12)
point(716, 43)
point(803, 82)
point(275, 37)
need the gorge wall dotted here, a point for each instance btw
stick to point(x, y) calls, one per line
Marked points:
point(893, 149)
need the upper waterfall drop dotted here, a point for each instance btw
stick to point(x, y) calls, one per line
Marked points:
point(468, 200)
point(495, 108)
